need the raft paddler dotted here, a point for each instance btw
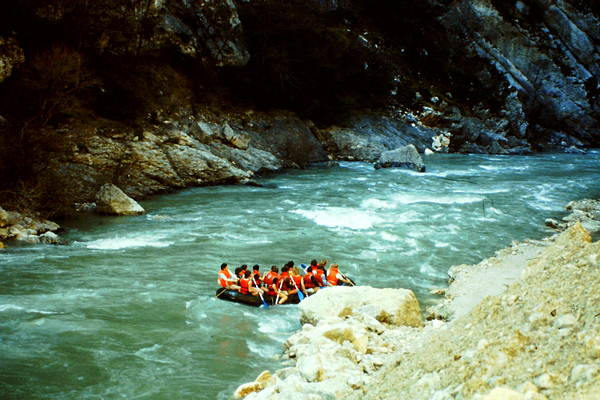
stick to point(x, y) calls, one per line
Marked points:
point(272, 274)
point(256, 275)
point(321, 276)
point(336, 278)
point(309, 282)
point(247, 286)
point(275, 291)
point(225, 279)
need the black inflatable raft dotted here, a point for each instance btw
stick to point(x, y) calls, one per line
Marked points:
point(237, 297)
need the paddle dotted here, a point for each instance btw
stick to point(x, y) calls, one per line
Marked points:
point(349, 280)
point(264, 303)
point(221, 292)
point(300, 294)
point(277, 298)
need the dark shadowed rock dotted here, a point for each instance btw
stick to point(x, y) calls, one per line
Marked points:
point(404, 157)
point(11, 55)
point(367, 136)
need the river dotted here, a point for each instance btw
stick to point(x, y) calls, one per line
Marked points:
point(127, 308)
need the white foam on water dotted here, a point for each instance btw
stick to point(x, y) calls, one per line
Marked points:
point(435, 199)
point(117, 243)
point(288, 201)
point(341, 217)
point(9, 307)
point(503, 168)
point(14, 307)
point(377, 203)
point(482, 191)
point(389, 237)
point(264, 350)
point(274, 326)
point(149, 354)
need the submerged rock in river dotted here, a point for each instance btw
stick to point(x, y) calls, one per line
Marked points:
point(403, 157)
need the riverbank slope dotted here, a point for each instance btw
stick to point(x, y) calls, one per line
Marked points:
point(534, 334)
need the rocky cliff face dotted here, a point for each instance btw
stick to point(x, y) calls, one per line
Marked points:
point(158, 95)
point(547, 51)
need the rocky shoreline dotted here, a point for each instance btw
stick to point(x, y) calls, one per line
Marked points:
point(523, 324)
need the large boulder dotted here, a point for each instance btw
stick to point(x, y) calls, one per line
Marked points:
point(112, 201)
point(390, 306)
point(403, 157)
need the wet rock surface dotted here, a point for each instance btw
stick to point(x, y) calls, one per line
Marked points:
point(403, 157)
point(585, 211)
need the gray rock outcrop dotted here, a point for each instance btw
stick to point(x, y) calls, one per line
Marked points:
point(366, 136)
point(547, 50)
point(111, 200)
point(404, 157)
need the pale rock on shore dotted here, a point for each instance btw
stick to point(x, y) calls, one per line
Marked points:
point(26, 228)
point(533, 332)
point(348, 334)
point(112, 201)
point(540, 339)
point(585, 211)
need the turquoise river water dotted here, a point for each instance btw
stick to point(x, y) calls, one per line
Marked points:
point(127, 310)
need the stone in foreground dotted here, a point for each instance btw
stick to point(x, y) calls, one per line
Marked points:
point(111, 200)
point(403, 157)
point(391, 306)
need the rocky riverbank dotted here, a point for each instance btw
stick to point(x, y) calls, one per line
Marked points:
point(157, 96)
point(521, 325)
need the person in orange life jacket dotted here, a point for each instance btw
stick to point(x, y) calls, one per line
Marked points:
point(288, 286)
point(273, 273)
point(246, 285)
point(285, 272)
point(323, 264)
point(255, 288)
point(274, 290)
point(256, 275)
point(243, 270)
point(295, 275)
point(226, 279)
point(321, 276)
point(309, 282)
point(335, 277)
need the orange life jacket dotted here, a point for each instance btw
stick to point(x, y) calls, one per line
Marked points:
point(268, 279)
point(298, 280)
point(272, 290)
point(244, 286)
point(223, 276)
point(308, 282)
point(319, 275)
point(332, 276)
